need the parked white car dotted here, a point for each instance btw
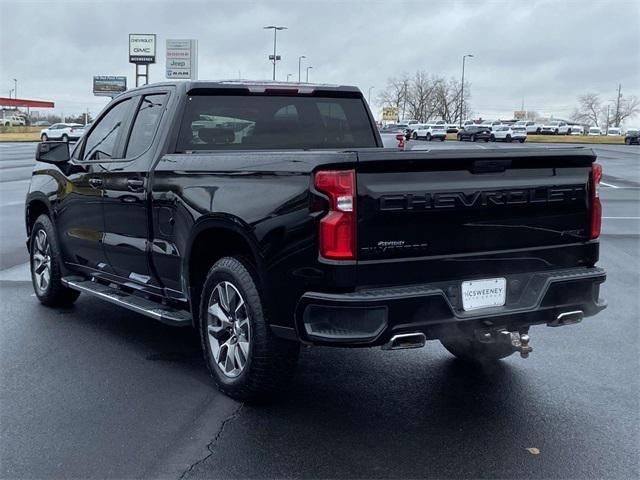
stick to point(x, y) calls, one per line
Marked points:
point(594, 131)
point(505, 133)
point(555, 127)
point(13, 121)
point(576, 130)
point(614, 132)
point(491, 124)
point(430, 132)
point(529, 125)
point(62, 131)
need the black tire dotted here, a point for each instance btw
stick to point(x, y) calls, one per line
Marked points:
point(442, 139)
point(473, 138)
point(415, 136)
point(428, 137)
point(492, 138)
point(508, 139)
point(538, 131)
point(473, 351)
point(54, 293)
point(44, 137)
point(271, 361)
point(7, 124)
point(555, 132)
point(522, 140)
point(627, 141)
point(459, 137)
point(65, 138)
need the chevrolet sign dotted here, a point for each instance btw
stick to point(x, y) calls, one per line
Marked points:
point(142, 48)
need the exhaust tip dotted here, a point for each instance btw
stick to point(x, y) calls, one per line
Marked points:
point(567, 318)
point(406, 340)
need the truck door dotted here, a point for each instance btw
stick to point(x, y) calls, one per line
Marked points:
point(126, 183)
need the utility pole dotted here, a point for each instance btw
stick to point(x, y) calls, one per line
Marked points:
point(462, 89)
point(275, 57)
point(308, 68)
point(300, 63)
point(607, 129)
point(10, 92)
point(15, 88)
point(617, 117)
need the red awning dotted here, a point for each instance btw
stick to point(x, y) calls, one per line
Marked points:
point(18, 102)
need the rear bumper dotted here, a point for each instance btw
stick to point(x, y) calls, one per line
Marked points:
point(371, 317)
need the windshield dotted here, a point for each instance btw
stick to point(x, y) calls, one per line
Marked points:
point(256, 122)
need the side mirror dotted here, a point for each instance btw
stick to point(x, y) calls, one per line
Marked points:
point(53, 152)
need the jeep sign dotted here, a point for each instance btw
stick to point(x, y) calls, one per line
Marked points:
point(182, 59)
point(142, 48)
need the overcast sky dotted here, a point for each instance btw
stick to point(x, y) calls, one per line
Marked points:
point(548, 52)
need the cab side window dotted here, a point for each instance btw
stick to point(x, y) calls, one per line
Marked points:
point(102, 141)
point(146, 124)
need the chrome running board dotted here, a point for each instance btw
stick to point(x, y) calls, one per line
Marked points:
point(155, 310)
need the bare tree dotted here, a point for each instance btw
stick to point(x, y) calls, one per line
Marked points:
point(396, 93)
point(589, 109)
point(447, 95)
point(626, 107)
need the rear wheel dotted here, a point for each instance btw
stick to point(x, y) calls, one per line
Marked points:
point(46, 266)
point(472, 351)
point(492, 138)
point(415, 135)
point(428, 137)
point(508, 139)
point(44, 137)
point(442, 139)
point(473, 138)
point(244, 358)
point(522, 140)
point(627, 141)
point(65, 138)
point(459, 137)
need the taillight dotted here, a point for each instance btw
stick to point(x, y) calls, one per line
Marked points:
point(596, 205)
point(400, 138)
point(338, 227)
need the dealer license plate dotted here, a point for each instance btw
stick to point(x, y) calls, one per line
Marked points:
point(484, 293)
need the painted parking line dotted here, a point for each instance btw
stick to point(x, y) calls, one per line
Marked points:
point(608, 184)
point(621, 218)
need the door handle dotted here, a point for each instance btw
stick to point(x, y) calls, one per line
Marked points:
point(95, 182)
point(135, 184)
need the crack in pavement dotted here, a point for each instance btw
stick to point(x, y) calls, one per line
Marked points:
point(212, 444)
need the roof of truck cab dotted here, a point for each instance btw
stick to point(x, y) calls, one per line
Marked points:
point(251, 85)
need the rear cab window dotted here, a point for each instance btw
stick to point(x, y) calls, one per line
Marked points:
point(259, 122)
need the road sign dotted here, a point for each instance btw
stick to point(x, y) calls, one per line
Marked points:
point(142, 48)
point(390, 113)
point(182, 59)
point(109, 86)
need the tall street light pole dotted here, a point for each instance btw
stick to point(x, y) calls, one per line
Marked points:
point(15, 88)
point(275, 56)
point(300, 63)
point(308, 68)
point(462, 89)
point(369, 96)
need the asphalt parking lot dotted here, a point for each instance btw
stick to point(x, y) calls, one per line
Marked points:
point(95, 391)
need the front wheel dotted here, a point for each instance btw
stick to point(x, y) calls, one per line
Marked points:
point(46, 266)
point(473, 138)
point(245, 359)
point(44, 137)
point(65, 138)
point(522, 140)
point(459, 137)
point(472, 351)
point(508, 139)
point(492, 138)
point(442, 139)
point(415, 136)
point(428, 137)
point(627, 141)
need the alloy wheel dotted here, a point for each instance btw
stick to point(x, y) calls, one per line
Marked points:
point(229, 329)
point(41, 261)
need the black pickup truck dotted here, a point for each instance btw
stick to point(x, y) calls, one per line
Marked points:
point(268, 216)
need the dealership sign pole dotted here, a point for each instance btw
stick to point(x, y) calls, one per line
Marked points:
point(142, 52)
point(182, 59)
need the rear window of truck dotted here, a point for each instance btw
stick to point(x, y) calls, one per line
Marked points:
point(258, 122)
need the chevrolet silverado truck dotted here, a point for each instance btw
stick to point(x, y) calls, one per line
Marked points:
point(269, 216)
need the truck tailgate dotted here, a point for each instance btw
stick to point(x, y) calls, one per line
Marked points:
point(444, 204)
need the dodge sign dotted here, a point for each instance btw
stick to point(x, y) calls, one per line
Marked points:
point(142, 48)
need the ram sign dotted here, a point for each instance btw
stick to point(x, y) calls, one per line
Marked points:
point(142, 48)
point(182, 59)
point(109, 86)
